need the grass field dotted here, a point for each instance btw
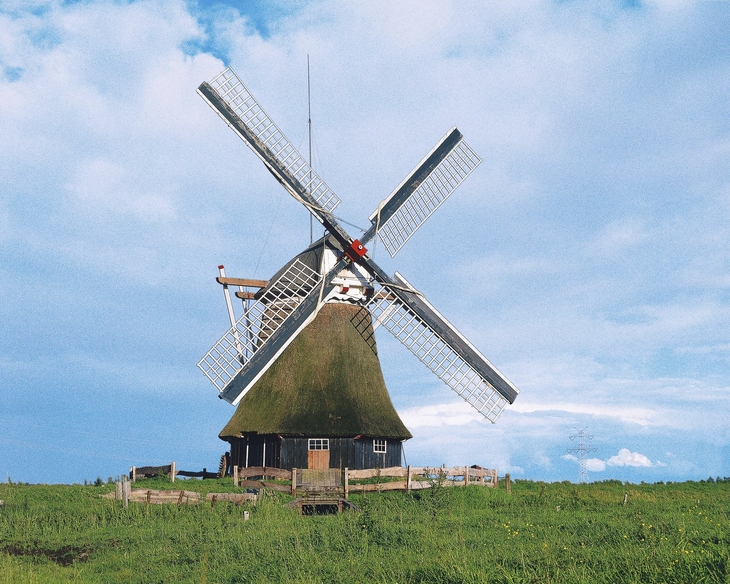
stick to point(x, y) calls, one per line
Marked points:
point(558, 532)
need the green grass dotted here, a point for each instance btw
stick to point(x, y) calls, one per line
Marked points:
point(663, 534)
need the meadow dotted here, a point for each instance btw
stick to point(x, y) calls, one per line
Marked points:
point(557, 532)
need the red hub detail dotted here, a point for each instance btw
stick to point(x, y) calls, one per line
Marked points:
point(355, 251)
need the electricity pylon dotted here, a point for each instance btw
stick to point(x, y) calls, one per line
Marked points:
point(582, 450)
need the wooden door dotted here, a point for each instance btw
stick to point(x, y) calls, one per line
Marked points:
point(318, 459)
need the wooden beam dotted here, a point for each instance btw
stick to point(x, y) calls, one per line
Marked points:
point(242, 282)
point(245, 295)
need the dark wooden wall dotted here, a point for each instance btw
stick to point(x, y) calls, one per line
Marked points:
point(290, 452)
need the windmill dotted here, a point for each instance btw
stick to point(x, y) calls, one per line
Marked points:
point(337, 272)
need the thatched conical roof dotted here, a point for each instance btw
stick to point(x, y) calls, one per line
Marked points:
point(328, 382)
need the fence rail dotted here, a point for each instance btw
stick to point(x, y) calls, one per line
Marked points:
point(182, 497)
point(416, 477)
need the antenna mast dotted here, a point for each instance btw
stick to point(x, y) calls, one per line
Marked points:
point(309, 125)
point(581, 451)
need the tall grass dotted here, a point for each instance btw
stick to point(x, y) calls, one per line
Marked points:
point(559, 533)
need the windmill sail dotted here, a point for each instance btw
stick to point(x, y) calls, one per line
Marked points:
point(238, 349)
point(422, 191)
point(285, 307)
point(439, 346)
point(228, 96)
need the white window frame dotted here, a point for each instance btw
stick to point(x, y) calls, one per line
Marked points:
point(319, 444)
point(380, 445)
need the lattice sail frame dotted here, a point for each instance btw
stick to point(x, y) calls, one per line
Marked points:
point(238, 345)
point(233, 92)
point(428, 197)
point(437, 355)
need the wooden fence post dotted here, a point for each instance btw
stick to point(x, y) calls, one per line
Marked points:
point(508, 483)
point(173, 471)
point(235, 475)
point(118, 490)
point(466, 476)
point(408, 480)
point(347, 483)
point(133, 472)
point(125, 492)
point(294, 482)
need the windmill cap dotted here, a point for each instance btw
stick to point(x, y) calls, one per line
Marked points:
point(221, 267)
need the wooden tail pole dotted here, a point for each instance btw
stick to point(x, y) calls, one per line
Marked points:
point(231, 315)
point(227, 294)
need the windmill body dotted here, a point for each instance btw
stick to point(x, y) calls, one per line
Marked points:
point(301, 363)
point(323, 403)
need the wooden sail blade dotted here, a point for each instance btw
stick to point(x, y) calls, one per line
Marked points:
point(275, 345)
point(232, 100)
point(422, 192)
point(437, 344)
point(236, 349)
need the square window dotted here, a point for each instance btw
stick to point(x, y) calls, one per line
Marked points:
point(379, 445)
point(319, 444)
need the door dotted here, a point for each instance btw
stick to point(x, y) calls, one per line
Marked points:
point(318, 459)
point(318, 455)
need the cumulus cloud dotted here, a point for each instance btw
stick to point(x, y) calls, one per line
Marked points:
point(624, 458)
point(595, 465)
point(627, 458)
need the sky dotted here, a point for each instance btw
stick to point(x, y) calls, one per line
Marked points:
point(587, 257)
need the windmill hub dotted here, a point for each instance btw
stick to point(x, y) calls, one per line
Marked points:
point(355, 251)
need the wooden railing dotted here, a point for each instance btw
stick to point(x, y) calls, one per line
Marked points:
point(309, 483)
point(414, 478)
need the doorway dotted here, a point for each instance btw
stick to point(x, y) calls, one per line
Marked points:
point(318, 455)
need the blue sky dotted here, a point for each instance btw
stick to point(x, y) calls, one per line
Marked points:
point(587, 257)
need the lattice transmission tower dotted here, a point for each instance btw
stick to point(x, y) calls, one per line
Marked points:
point(582, 450)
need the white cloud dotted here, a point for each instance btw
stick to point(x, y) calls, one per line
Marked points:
point(627, 458)
point(634, 415)
point(595, 465)
point(448, 414)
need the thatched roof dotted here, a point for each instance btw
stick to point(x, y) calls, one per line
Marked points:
point(328, 382)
